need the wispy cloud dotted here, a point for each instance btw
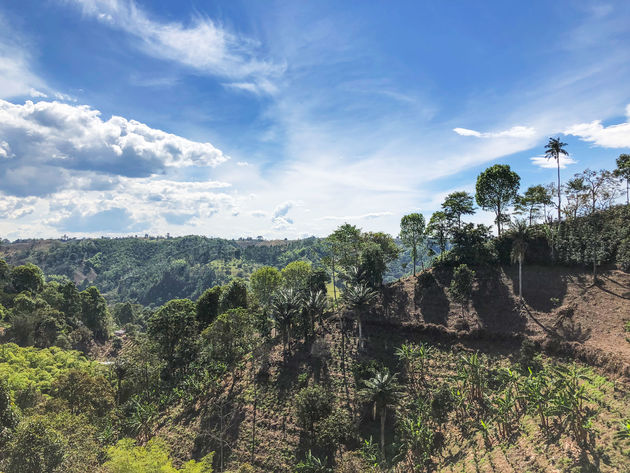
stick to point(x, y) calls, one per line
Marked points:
point(514, 132)
point(202, 44)
point(543, 162)
point(357, 217)
point(613, 136)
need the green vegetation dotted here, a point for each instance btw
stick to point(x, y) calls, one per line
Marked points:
point(199, 355)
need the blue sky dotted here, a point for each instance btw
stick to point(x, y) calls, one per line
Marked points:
point(287, 118)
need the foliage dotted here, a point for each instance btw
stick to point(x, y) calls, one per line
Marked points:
point(312, 404)
point(497, 188)
point(457, 204)
point(233, 295)
point(126, 457)
point(35, 447)
point(230, 336)
point(461, 286)
point(264, 282)
point(208, 306)
point(411, 233)
point(25, 367)
point(27, 277)
point(174, 328)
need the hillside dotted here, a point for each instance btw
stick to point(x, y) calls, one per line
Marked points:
point(151, 271)
point(562, 305)
point(258, 402)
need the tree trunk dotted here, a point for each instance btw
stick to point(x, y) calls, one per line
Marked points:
point(383, 414)
point(360, 331)
point(520, 279)
point(333, 281)
point(558, 160)
point(414, 260)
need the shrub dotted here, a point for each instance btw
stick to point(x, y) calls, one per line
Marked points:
point(312, 404)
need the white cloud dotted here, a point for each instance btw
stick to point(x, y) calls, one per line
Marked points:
point(202, 45)
point(358, 217)
point(242, 163)
point(613, 136)
point(70, 137)
point(543, 162)
point(514, 132)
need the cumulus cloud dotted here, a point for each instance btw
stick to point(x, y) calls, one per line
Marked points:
point(543, 162)
point(514, 132)
point(52, 138)
point(613, 136)
point(202, 45)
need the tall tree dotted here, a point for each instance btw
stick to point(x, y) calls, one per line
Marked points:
point(264, 282)
point(577, 198)
point(623, 171)
point(383, 391)
point(208, 307)
point(285, 307)
point(438, 229)
point(531, 201)
point(457, 204)
point(358, 297)
point(497, 188)
point(174, 328)
point(555, 149)
point(411, 233)
point(602, 187)
point(520, 236)
point(95, 314)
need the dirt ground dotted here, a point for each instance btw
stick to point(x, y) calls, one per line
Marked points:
point(560, 304)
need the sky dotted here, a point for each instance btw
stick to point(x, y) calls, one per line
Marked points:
point(286, 119)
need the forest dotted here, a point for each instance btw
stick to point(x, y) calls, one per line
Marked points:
point(444, 348)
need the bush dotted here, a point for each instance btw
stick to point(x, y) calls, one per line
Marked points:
point(623, 255)
point(312, 404)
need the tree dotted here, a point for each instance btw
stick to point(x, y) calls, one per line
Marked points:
point(438, 229)
point(154, 457)
point(264, 282)
point(233, 295)
point(377, 251)
point(359, 297)
point(555, 149)
point(623, 172)
point(174, 328)
point(312, 404)
point(577, 198)
point(315, 305)
point(36, 448)
point(601, 186)
point(208, 306)
point(462, 285)
point(27, 277)
point(520, 236)
point(230, 335)
point(84, 392)
point(9, 416)
point(411, 233)
point(347, 244)
point(457, 204)
point(497, 187)
point(94, 313)
point(296, 275)
point(383, 391)
point(530, 202)
point(285, 307)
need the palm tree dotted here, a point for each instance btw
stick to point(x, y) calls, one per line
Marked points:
point(555, 148)
point(383, 391)
point(284, 308)
point(315, 305)
point(520, 235)
point(357, 297)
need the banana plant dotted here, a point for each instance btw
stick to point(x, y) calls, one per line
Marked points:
point(569, 401)
point(472, 374)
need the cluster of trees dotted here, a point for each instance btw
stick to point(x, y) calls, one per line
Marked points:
point(44, 314)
